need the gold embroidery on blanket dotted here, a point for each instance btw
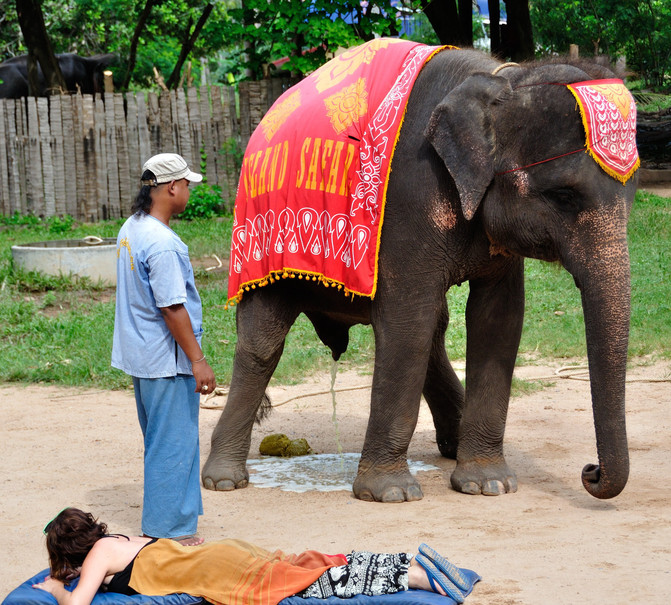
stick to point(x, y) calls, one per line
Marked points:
point(274, 119)
point(347, 106)
point(617, 94)
point(335, 71)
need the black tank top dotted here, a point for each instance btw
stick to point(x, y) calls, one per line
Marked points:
point(120, 580)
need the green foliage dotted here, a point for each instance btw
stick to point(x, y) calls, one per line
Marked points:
point(303, 32)
point(650, 252)
point(423, 32)
point(205, 201)
point(637, 29)
point(19, 219)
point(89, 27)
point(646, 101)
point(234, 150)
point(248, 36)
point(60, 224)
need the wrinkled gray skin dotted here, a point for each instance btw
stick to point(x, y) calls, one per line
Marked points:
point(451, 216)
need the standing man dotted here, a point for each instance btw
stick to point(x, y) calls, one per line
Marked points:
point(157, 334)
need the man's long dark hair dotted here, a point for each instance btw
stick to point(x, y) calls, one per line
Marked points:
point(70, 537)
point(142, 201)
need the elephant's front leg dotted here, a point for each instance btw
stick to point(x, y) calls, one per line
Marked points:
point(494, 317)
point(402, 343)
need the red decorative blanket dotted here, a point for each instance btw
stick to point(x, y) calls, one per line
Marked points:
point(609, 115)
point(311, 195)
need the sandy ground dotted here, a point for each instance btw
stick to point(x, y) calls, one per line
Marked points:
point(549, 543)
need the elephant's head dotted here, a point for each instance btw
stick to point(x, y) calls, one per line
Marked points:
point(515, 147)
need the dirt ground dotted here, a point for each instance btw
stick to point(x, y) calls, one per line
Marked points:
point(548, 543)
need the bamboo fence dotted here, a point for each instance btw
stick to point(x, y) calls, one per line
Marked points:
point(81, 155)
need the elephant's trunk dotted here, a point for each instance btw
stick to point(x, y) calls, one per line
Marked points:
point(606, 307)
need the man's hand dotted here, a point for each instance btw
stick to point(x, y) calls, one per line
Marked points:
point(204, 375)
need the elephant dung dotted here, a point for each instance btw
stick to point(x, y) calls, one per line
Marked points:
point(279, 444)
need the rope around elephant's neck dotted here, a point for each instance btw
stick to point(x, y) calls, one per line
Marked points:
point(583, 148)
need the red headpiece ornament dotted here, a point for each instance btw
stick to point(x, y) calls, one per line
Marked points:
point(609, 115)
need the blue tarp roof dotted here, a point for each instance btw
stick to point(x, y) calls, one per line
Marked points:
point(484, 9)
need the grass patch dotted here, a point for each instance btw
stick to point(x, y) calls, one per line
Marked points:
point(521, 387)
point(60, 329)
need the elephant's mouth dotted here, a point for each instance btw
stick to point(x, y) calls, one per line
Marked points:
point(545, 251)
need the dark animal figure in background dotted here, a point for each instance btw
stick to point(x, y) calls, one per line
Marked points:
point(84, 74)
point(490, 167)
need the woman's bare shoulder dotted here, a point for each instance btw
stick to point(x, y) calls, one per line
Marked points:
point(113, 546)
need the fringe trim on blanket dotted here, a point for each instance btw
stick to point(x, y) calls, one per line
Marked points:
point(274, 276)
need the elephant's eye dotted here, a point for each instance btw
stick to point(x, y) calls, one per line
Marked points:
point(564, 199)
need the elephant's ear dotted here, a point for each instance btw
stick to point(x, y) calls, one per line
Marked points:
point(462, 133)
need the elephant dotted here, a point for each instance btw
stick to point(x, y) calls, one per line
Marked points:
point(81, 74)
point(490, 167)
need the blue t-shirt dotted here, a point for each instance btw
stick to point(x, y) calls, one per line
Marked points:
point(153, 271)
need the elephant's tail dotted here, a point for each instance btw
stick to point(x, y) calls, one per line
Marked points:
point(264, 409)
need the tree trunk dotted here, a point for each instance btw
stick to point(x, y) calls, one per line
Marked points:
point(520, 41)
point(132, 54)
point(31, 21)
point(494, 27)
point(187, 46)
point(444, 18)
point(466, 22)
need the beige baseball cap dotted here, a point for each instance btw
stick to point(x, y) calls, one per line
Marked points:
point(169, 167)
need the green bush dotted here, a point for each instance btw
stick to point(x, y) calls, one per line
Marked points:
point(205, 202)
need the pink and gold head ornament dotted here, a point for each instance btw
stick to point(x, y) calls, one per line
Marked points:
point(609, 116)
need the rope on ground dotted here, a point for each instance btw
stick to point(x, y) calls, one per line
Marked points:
point(224, 391)
point(580, 372)
point(217, 266)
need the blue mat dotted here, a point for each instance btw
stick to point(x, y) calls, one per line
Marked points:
point(25, 594)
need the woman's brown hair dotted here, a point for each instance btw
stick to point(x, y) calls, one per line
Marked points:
point(70, 537)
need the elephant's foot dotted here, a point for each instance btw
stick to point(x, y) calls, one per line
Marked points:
point(376, 485)
point(221, 475)
point(486, 478)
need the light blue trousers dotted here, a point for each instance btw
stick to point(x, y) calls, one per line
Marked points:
point(167, 409)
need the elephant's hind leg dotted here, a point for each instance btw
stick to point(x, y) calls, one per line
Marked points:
point(263, 321)
point(443, 392)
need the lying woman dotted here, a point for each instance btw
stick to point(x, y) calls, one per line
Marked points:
point(230, 571)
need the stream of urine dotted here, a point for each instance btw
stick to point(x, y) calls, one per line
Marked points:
point(334, 418)
point(334, 371)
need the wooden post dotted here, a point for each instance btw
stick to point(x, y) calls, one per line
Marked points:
point(70, 143)
point(34, 178)
point(108, 81)
point(5, 206)
point(574, 51)
point(57, 152)
point(45, 144)
point(102, 163)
